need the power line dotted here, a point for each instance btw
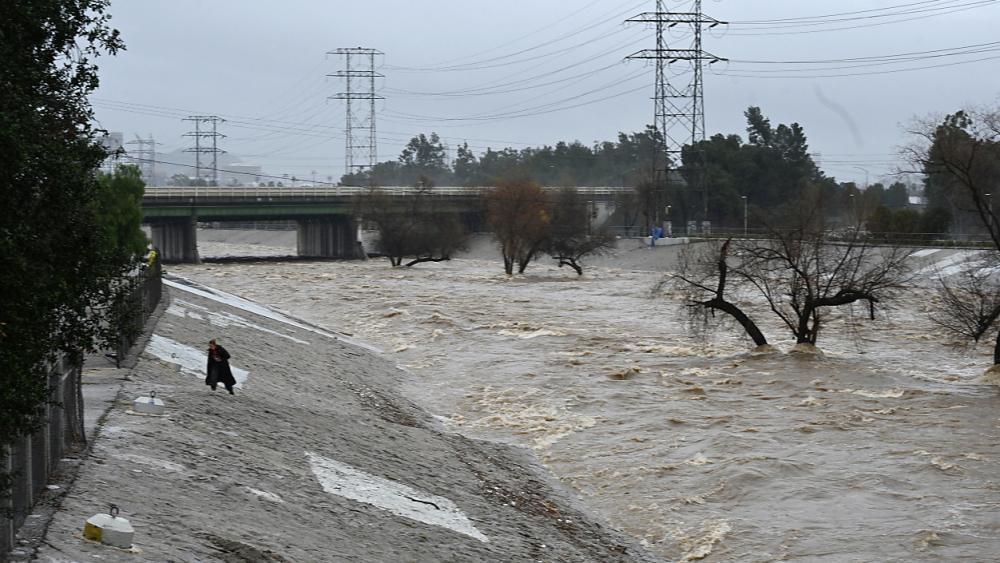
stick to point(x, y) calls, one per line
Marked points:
point(772, 31)
point(481, 64)
point(144, 156)
point(948, 5)
point(198, 150)
point(365, 148)
point(751, 74)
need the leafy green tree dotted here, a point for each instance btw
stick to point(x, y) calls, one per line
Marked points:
point(771, 168)
point(465, 165)
point(118, 209)
point(55, 260)
point(632, 157)
point(896, 196)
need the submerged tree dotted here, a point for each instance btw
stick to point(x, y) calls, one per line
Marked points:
point(799, 271)
point(411, 226)
point(518, 213)
point(961, 158)
point(970, 302)
point(572, 235)
point(704, 279)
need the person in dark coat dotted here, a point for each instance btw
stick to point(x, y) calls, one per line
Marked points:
point(218, 370)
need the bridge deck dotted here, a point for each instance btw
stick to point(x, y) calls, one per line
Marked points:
point(316, 192)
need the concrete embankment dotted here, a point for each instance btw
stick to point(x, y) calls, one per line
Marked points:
point(315, 458)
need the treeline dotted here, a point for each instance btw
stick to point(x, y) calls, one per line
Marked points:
point(68, 235)
point(611, 163)
point(713, 180)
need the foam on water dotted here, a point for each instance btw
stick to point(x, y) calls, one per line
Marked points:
point(704, 449)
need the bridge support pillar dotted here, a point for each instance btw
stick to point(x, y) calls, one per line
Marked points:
point(177, 241)
point(328, 237)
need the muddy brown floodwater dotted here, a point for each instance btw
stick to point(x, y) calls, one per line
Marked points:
point(885, 449)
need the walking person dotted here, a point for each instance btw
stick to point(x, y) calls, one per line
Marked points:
point(218, 370)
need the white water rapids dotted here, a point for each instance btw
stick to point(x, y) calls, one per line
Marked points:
point(886, 449)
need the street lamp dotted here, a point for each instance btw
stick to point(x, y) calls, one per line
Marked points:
point(744, 215)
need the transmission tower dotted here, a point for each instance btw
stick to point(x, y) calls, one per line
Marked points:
point(678, 102)
point(144, 156)
point(198, 150)
point(359, 78)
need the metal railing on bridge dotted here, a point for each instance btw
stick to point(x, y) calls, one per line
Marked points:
point(168, 192)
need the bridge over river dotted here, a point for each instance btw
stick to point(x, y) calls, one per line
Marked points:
point(325, 215)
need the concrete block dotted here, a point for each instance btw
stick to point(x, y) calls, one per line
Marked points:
point(109, 529)
point(149, 405)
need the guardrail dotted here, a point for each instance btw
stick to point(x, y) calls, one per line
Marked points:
point(338, 191)
point(932, 240)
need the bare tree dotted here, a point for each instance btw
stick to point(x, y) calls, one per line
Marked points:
point(961, 156)
point(799, 272)
point(572, 236)
point(411, 226)
point(970, 302)
point(518, 213)
point(703, 276)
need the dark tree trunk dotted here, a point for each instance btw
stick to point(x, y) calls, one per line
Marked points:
point(427, 259)
point(996, 350)
point(719, 302)
point(572, 264)
point(803, 334)
point(508, 263)
point(751, 328)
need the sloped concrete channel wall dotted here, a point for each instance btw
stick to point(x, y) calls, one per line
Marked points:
point(32, 459)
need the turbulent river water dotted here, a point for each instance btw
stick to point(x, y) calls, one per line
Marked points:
point(884, 449)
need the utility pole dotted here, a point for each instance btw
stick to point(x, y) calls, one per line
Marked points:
point(679, 109)
point(359, 84)
point(144, 156)
point(215, 151)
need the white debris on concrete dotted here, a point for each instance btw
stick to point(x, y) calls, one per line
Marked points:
point(950, 265)
point(191, 360)
point(181, 308)
point(258, 309)
point(265, 495)
point(343, 480)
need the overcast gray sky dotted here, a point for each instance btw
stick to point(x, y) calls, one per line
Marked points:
point(542, 70)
